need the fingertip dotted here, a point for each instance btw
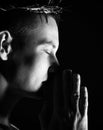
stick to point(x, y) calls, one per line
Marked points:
point(67, 77)
point(78, 76)
point(77, 82)
point(67, 71)
point(86, 92)
point(79, 79)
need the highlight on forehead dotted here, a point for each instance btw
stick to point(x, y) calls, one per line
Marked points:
point(35, 22)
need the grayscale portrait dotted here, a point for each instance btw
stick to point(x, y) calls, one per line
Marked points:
point(38, 83)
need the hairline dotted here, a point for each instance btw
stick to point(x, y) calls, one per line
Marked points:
point(19, 19)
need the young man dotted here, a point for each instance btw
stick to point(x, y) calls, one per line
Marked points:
point(29, 41)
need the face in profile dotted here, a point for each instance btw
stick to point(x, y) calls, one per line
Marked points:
point(38, 54)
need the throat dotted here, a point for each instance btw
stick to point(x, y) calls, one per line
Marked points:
point(8, 99)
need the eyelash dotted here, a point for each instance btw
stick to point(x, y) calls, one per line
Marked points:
point(48, 52)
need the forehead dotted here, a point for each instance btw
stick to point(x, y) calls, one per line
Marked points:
point(43, 30)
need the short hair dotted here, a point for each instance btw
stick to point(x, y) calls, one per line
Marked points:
point(16, 19)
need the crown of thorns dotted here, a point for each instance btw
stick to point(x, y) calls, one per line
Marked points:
point(38, 9)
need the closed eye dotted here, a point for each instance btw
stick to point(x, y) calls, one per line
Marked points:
point(48, 52)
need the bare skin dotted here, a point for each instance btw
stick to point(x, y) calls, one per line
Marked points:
point(70, 104)
point(32, 64)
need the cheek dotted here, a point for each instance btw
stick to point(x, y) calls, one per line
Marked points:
point(39, 72)
point(41, 65)
point(31, 76)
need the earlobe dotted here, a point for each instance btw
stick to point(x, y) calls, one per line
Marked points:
point(5, 44)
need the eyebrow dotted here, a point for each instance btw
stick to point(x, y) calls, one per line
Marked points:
point(45, 41)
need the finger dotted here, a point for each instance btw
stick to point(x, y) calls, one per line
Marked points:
point(67, 92)
point(77, 81)
point(76, 91)
point(67, 86)
point(58, 97)
point(84, 101)
point(43, 117)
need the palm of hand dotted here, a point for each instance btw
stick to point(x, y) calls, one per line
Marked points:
point(69, 111)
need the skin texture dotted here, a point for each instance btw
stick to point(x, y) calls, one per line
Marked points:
point(69, 101)
point(41, 44)
point(31, 63)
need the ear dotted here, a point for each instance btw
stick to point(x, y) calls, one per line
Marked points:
point(5, 44)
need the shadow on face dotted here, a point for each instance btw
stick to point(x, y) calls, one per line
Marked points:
point(37, 55)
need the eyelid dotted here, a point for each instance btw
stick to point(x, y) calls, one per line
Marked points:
point(48, 48)
point(48, 51)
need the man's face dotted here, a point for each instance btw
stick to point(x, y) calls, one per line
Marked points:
point(38, 54)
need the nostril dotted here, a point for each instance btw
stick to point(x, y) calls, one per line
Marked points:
point(53, 68)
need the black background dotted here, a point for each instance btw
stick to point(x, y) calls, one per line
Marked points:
point(80, 50)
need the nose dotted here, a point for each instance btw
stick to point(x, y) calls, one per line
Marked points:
point(54, 63)
point(54, 60)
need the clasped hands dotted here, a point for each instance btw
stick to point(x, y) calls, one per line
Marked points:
point(66, 104)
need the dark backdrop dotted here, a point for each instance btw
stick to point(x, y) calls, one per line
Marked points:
point(80, 50)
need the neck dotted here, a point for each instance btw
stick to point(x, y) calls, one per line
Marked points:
point(8, 99)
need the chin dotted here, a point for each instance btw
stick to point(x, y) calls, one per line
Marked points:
point(37, 93)
point(31, 83)
point(34, 87)
point(36, 83)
